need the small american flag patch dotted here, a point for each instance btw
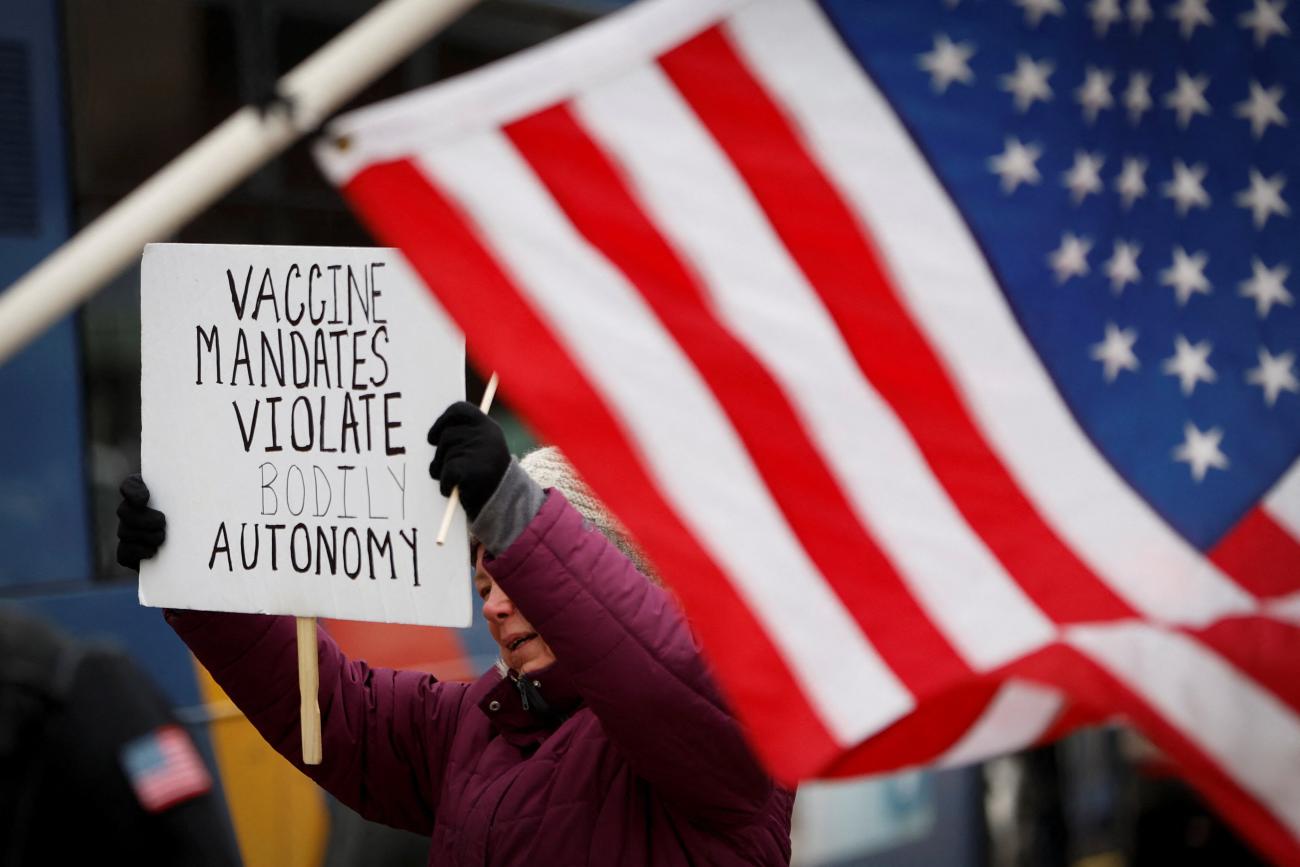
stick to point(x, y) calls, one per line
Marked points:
point(164, 768)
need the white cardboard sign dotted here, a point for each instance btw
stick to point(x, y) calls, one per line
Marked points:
point(285, 395)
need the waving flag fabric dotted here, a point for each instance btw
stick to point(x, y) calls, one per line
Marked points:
point(940, 354)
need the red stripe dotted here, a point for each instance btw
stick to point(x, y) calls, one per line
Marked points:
point(403, 208)
point(933, 729)
point(923, 735)
point(592, 193)
point(834, 254)
point(1260, 556)
point(179, 786)
point(153, 803)
point(1264, 559)
point(1266, 649)
point(1072, 717)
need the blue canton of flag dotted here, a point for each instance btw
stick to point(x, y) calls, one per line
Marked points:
point(1125, 168)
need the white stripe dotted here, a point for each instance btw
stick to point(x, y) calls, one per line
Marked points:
point(691, 192)
point(1284, 608)
point(516, 86)
point(711, 483)
point(947, 286)
point(1019, 715)
point(1283, 501)
point(1241, 726)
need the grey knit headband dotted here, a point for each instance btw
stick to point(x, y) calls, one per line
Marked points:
point(549, 468)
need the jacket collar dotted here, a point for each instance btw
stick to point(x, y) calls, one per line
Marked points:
point(549, 694)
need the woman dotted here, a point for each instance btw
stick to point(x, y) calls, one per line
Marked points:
point(600, 737)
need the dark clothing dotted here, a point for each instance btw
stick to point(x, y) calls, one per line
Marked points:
point(66, 711)
point(624, 755)
point(1174, 826)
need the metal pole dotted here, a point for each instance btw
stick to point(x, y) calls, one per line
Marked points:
point(217, 163)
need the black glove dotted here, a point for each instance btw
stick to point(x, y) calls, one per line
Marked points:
point(471, 454)
point(140, 529)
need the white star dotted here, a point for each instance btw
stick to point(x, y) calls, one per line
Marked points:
point(947, 62)
point(1264, 198)
point(1139, 14)
point(1274, 375)
point(1131, 184)
point(1137, 96)
point(1094, 93)
point(1084, 176)
point(1201, 450)
point(1268, 287)
point(1266, 20)
point(1189, 14)
point(1116, 352)
point(1122, 267)
point(1015, 165)
point(1071, 258)
point(1185, 188)
point(1262, 108)
point(1190, 363)
point(1186, 275)
point(1104, 13)
point(1188, 97)
point(1028, 82)
point(1036, 9)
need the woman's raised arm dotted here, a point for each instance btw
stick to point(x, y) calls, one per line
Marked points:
point(628, 650)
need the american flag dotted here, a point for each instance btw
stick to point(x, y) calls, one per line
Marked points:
point(164, 769)
point(939, 353)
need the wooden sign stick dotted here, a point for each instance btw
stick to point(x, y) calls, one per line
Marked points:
point(454, 500)
point(309, 662)
point(308, 690)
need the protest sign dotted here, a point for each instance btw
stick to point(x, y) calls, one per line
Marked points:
point(285, 397)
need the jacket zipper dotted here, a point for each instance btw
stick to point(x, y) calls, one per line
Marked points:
point(523, 691)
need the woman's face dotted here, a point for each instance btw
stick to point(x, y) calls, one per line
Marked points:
point(521, 647)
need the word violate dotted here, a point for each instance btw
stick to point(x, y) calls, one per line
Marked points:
point(325, 426)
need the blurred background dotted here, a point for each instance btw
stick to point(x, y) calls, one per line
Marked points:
point(95, 96)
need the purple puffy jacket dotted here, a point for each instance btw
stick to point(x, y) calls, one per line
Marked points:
point(637, 761)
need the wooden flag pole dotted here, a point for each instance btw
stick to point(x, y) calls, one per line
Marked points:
point(454, 500)
point(308, 690)
point(215, 164)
